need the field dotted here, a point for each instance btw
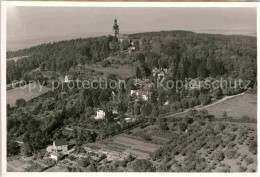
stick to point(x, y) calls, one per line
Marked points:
point(18, 93)
point(237, 107)
point(16, 165)
point(125, 144)
point(121, 71)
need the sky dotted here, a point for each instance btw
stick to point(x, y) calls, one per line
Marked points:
point(56, 23)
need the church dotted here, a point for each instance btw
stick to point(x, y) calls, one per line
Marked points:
point(120, 37)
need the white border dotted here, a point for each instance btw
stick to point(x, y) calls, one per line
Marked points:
point(4, 4)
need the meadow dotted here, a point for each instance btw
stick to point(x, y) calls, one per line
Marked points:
point(26, 94)
point(237, 107)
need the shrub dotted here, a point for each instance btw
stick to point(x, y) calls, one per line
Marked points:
point(182, 126)
point(242, 169)
point(249, 160)
point(219, 156)
point(230, 154)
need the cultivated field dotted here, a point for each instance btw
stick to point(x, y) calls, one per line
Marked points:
point(26, 94)
point(16, 165)
point(125, 144)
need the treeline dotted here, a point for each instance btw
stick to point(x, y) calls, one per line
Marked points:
point(58, 56)
point(186, 54)
point(192, 55)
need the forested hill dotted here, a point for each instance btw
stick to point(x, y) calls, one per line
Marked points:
point(186, 54)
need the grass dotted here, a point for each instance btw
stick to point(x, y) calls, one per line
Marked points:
point(121, 71)
point(26, 94)
point(237, 107)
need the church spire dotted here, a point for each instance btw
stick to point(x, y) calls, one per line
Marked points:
point(116, 28)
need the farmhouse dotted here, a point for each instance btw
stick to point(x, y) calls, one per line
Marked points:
point(61, 145)
point(100, 114)
point(145, 95)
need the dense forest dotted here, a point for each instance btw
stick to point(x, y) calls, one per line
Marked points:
point(186, 54)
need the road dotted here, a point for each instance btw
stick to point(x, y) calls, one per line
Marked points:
point(206, 106)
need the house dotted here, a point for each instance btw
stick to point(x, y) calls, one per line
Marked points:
point(66, 79)
point(166, 103)
point(55, 156)
point(145, 95)
point(122, 37)
point(61, 145)
point(100, 114)
point(128, 119)
point(114, 111)
point(131, 49)
point(160, 72)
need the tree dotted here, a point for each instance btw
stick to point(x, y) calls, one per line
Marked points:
point(26, 149)
point(147, 109)
point(182, 126)
point(136, 108)
point(224, 115)
point(89, 111)
point(125, 44)
point(121, 107)
point(204, 99)
point(20, 102)
point(155, 111)
point(219, 156)
point(42, 66)
point(142, 165)
point(12, 148)
point(163, 126)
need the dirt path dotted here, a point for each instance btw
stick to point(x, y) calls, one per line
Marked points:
point(206, 106)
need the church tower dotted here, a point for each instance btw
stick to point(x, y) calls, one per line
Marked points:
point(116, 28)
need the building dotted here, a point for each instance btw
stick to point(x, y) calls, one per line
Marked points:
point(145, 95)
point(116, 28)
point(131, 49)
point(66, 79)
point(160, 72)
point(100, 114)
point(55, 156)
point(128, 119)
point(122, 37)
point(61, 145)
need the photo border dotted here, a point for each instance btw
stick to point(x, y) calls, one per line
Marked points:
point(5, 4)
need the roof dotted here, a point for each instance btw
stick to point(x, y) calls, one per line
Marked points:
point(61, 142)
point(55, 154)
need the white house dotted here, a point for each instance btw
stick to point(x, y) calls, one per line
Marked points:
point(131, 49)
point(128, 119)
point(100, 114)
point(61, 145)
point(55, 155)
point(145, 95)
point(66, 79)
point(161, 72)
